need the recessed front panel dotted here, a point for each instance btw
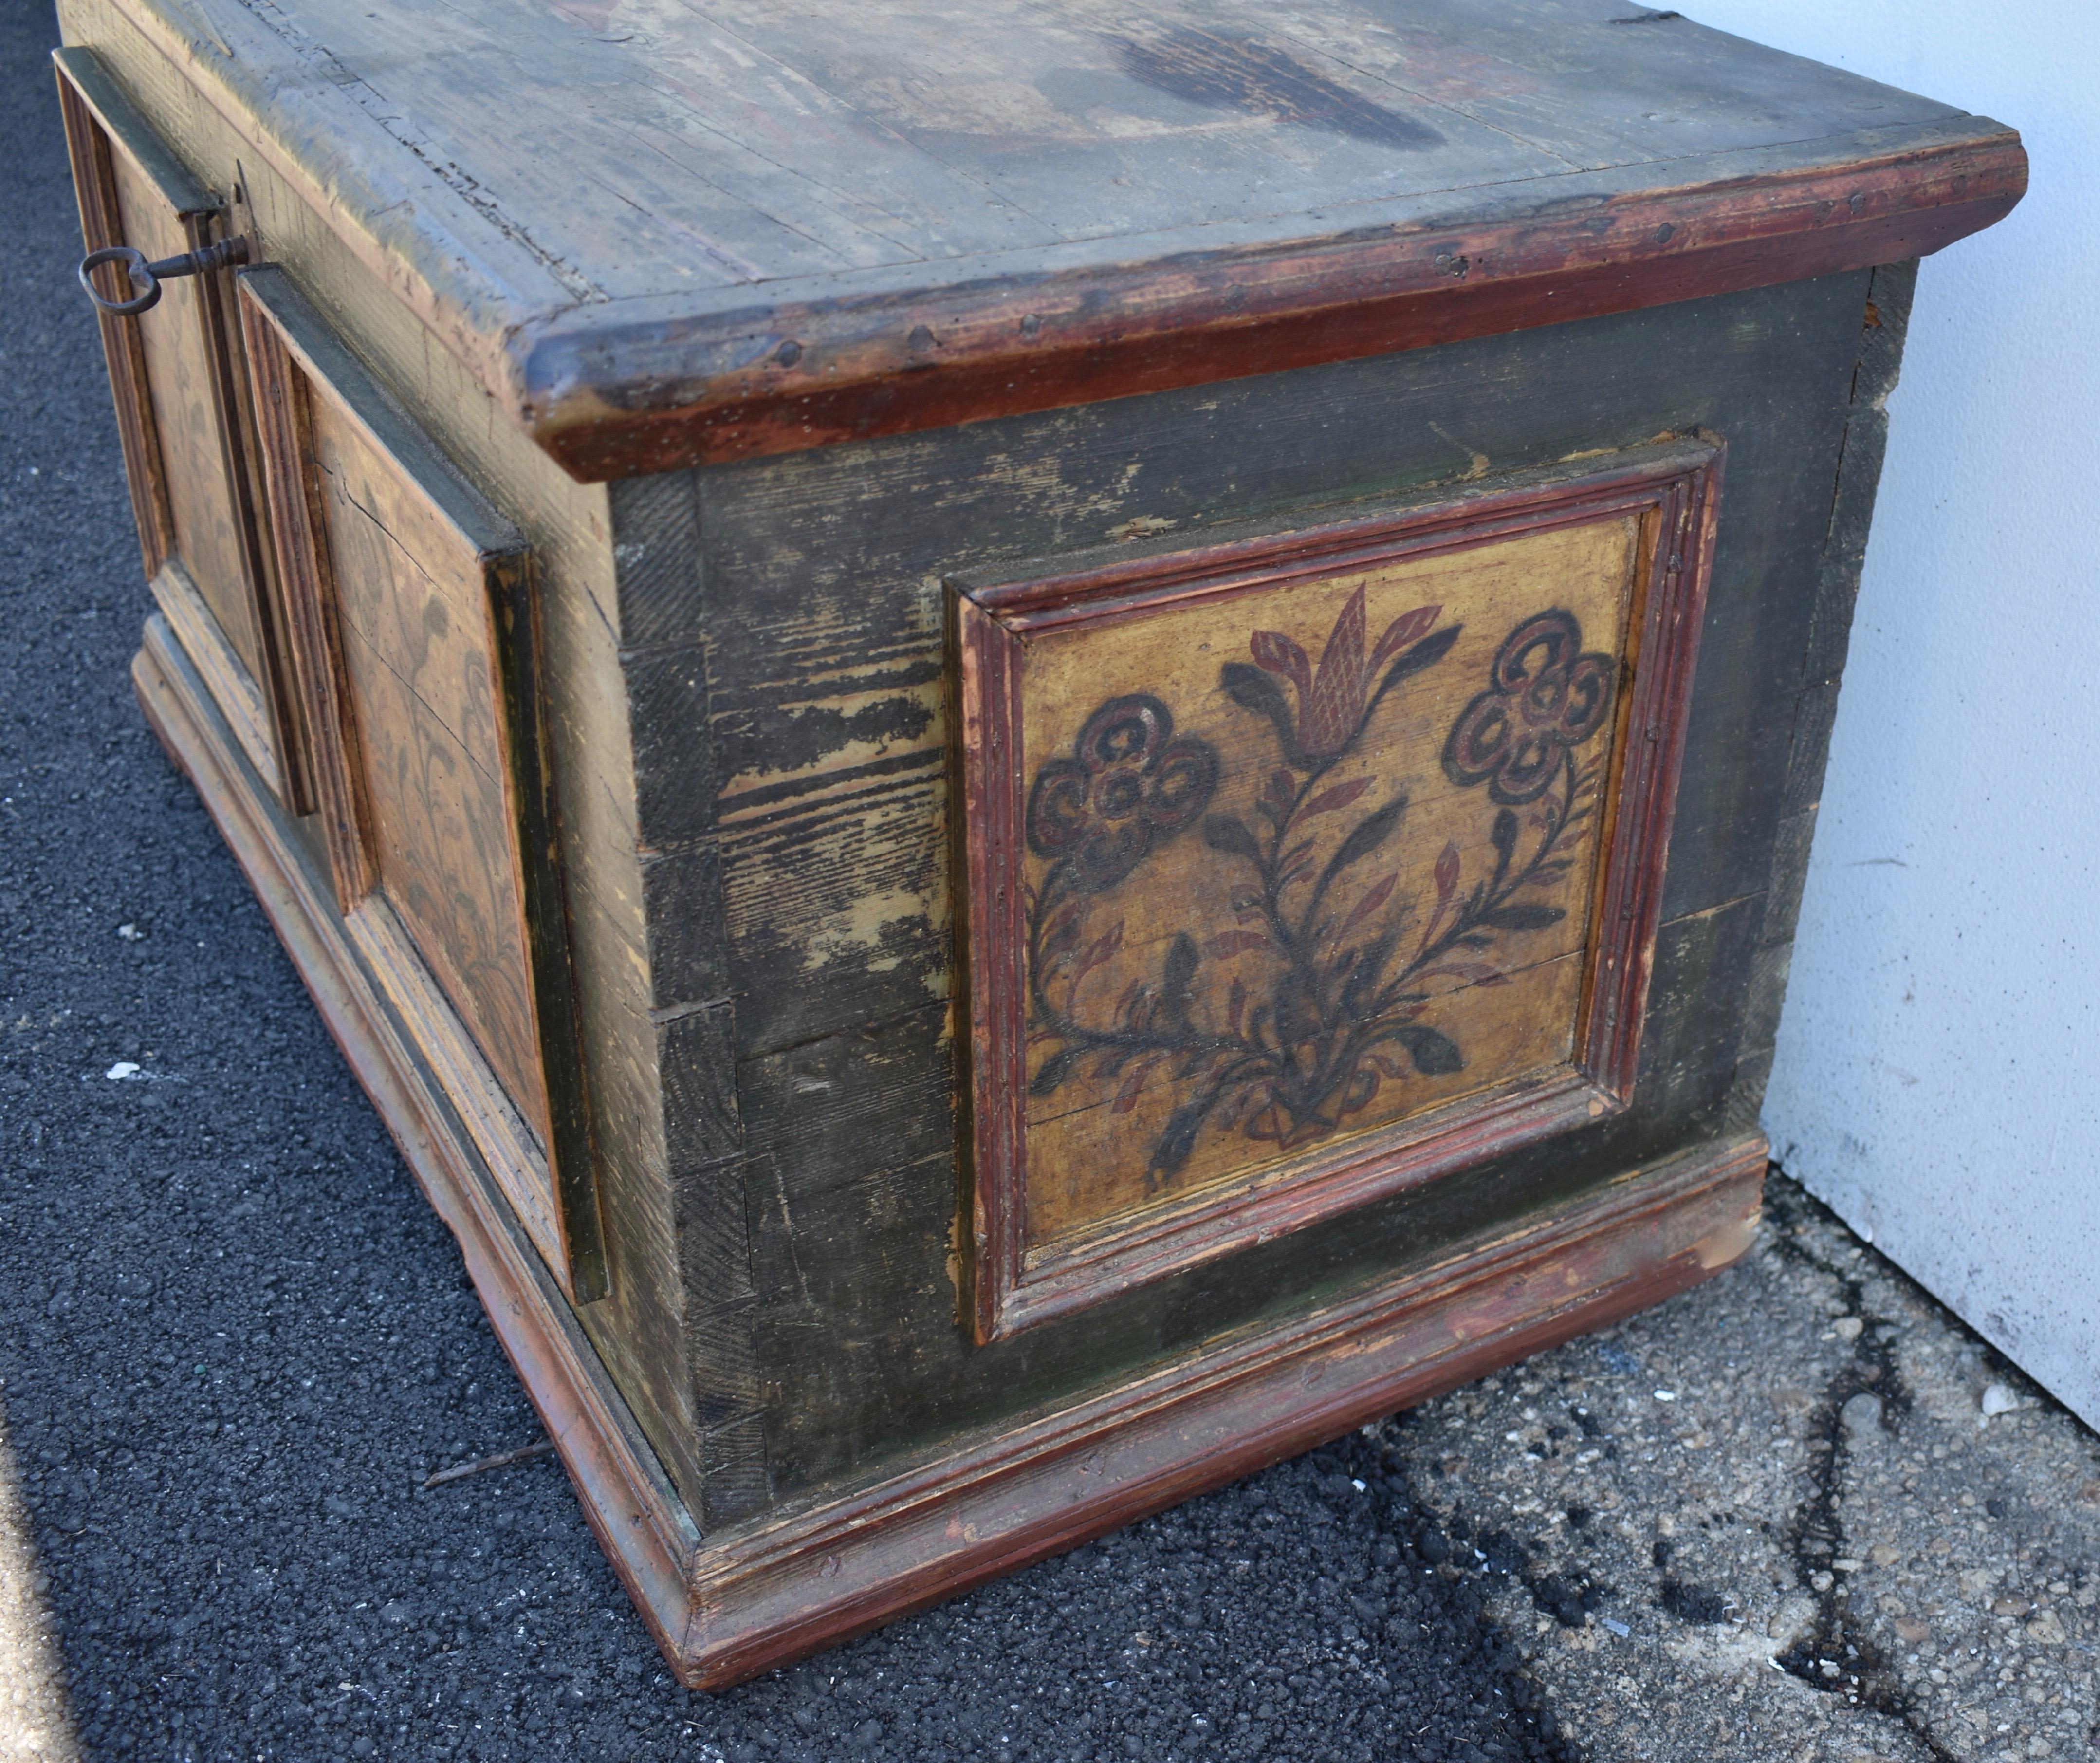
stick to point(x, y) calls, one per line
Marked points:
point(1289, 866)
point(1307, 861)
point(419, 657)
point(181, 340)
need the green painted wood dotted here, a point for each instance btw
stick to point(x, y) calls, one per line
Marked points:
point(808, 624)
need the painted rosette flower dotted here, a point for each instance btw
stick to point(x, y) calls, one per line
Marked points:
point(1130, 783)
point(1547, 696)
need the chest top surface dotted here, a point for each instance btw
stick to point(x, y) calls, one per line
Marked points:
point(625, 212)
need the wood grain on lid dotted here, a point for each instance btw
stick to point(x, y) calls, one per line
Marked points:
point(667, 233)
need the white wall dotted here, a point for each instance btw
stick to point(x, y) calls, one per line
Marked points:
point(1938, 1074)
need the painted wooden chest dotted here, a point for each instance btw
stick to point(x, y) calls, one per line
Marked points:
point(1032, 750)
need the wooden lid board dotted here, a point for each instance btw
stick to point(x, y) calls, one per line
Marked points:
point(664, 233)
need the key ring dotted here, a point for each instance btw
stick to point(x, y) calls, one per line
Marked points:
point(149, 277)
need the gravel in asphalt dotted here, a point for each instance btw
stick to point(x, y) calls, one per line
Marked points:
point(1775, 1517)
point(234, 1343)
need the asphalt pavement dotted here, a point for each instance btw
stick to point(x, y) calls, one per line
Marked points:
point(234, 1342)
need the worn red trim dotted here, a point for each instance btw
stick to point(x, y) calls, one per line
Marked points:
point(1672, 490)
point(990, 1503)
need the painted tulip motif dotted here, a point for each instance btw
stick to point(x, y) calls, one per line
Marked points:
point(1335, 702)
point(1285, 1024)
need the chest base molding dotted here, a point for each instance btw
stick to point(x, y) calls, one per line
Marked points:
point(728, 1607)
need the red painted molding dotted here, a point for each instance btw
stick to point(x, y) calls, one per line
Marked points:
point(804, 1581)
point(1672, 490)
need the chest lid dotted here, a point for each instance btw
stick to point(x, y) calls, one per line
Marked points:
point(665, 233)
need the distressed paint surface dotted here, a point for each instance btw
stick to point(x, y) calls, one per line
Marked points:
point(665, 234)
point(198, 496)
point(842, 1167)
point(764, 896)
point(1290, 933)
point(844, 1075)
point(638, 1328)
point(646, 146)
point(417, 650)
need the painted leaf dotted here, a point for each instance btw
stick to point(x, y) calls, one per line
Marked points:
point(1426, 653)
point(1402, 631)
point(1371, 901)
point(1275, 653)
point(1132, 1085)
point(1504, 837)
point(1339, 796)
point(1369, 832)
point(1435, 1055)
point(1277, 792)
point(1447, 871)
point(1177, 1138)
point(1331, 713)
point(1252, 689)
point(1221, 832)
point(1370, 963)
point(1098, 953)
point(1227, 943)
point(1054, 1070)
point(1178, 970)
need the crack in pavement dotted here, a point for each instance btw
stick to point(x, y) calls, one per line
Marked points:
point(1787, 1466)
point(1839, 1656)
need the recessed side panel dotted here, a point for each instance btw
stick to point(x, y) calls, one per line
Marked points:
point(412, 607)
point(1348, 882)
point(1304, 869)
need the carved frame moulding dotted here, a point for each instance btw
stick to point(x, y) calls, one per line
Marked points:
point(1301, 869)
